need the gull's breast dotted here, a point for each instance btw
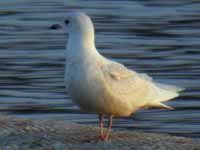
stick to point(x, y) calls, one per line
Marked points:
point(84, 87)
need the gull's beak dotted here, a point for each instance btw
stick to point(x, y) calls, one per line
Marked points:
point(55, 26)
point(58, 26)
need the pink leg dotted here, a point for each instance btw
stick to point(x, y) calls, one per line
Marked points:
point(101, 126)
point(101, 137)
point(109, 128)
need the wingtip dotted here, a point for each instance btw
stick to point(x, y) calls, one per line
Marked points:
point(165, 106)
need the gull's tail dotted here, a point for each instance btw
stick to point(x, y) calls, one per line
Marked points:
point(171, 88)
point(164, 93)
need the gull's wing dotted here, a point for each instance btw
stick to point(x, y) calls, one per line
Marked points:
point(121, 80)
point(137, 88)
point(118, 71)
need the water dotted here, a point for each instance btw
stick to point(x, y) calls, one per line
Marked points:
point(161, 39)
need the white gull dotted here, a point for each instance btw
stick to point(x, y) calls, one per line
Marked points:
point(97, 84)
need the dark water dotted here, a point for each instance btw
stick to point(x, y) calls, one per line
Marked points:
point(159, 38)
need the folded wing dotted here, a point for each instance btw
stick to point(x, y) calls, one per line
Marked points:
point(138, 89)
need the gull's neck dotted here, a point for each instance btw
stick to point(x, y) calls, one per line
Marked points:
point(81, 45)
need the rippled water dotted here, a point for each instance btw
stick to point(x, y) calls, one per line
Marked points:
point(159, 38)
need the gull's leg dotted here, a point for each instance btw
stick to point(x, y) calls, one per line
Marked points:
point(101, 137)
point(109, 128)
point(101, 126)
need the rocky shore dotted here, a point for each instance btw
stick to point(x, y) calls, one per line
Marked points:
point(20, 134)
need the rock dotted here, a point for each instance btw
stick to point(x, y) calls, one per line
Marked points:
point(60, 135)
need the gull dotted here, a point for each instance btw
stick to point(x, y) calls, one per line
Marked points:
point(103, 86)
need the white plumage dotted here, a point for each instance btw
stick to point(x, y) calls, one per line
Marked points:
point(100, 85)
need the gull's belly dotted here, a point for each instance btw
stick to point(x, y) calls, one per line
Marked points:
point(84, 88)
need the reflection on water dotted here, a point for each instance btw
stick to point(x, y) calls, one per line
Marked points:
point(161, 39)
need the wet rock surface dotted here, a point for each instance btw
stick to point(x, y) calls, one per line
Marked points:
point(20, 134)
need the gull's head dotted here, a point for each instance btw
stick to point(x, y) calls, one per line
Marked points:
point(81, 41)
point(78, 22)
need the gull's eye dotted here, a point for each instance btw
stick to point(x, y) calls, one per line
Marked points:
point(66, 22)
